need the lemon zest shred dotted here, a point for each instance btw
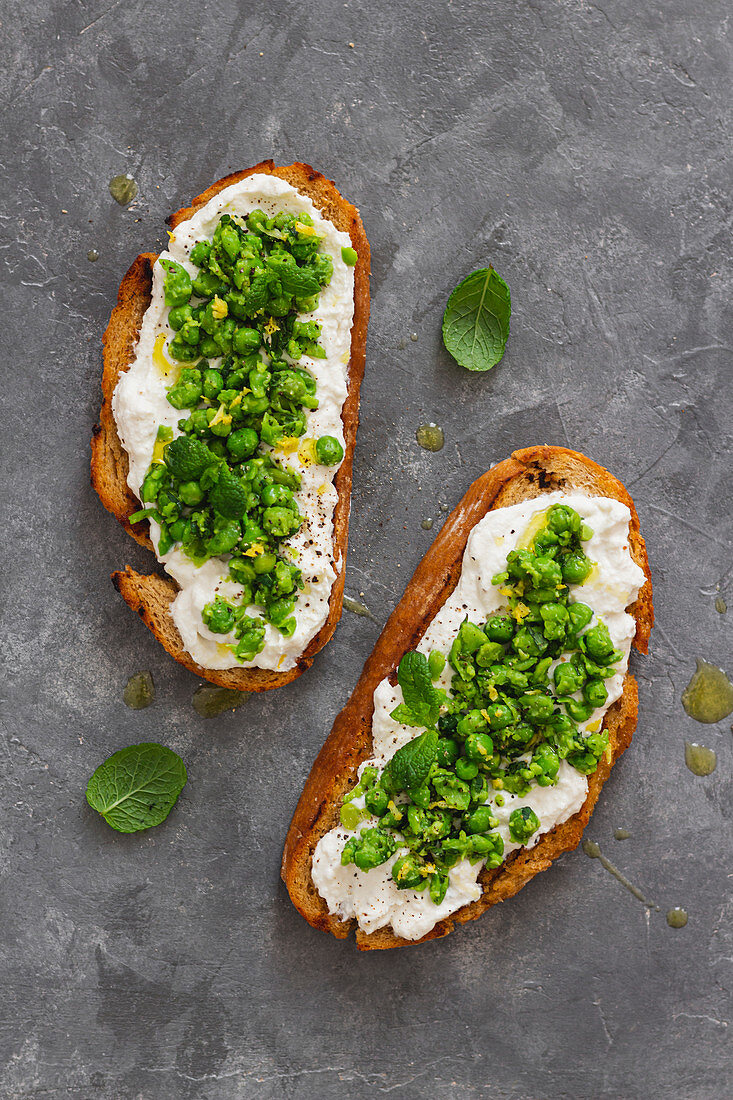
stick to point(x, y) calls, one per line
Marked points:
point(255, 550)
point(219, 308)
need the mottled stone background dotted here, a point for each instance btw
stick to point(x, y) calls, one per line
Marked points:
point(586, 152)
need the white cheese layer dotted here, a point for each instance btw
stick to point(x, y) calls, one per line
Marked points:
point(140, 405)
point(372, 897)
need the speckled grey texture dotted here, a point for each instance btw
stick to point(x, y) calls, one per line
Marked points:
point(586, 152)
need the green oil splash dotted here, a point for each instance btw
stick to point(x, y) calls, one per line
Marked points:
point(209, 701)
point(123, 189)
point(139, 691)
point(721, 606)
point(622, 834)
point(357, 608)
point(430, 437)
point(676, 918)
point(594, 851)
point(709, 695)
point(92, 255)
point(699, 759)
point(427, 524)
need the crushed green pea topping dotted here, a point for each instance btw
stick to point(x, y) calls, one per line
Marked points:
point(218, 490)
point(504, 724)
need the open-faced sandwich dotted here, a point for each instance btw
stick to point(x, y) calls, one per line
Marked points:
point(488, 717)
point(232, 366)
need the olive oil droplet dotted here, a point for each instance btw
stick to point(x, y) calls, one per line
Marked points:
point(413, 337)
point(210, 701)
point(622, 834)
point(358, 608)
point(123, 189)
point(592, 849)
point(676, 918)
point(139, 691)
point(709, 695)
point(699, 759)
point(721, 606)
point(427, 524)
point(430, 437)
point(92, 255)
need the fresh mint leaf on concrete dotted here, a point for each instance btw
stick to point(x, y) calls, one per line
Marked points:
point(137, 787)
point(476, 320)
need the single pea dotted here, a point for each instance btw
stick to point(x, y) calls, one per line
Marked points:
point(264, 563)
point(499, 628)
point(488, 653)
point(406, 872)
point(500, 715)
point(277, 494)
point(376, 801)
point(243, 443)
point(478, 747)
point(447, 753)
point(329, 451)
point(575, 568)
point(281, 522)
point(246, 340)
point(200, 253)
point(466, 769)
point(436, 663)
point(479, 821)
point(472, 722)
point(191, 492)
point(595, 692)
point(579, 712)
point(349, 256)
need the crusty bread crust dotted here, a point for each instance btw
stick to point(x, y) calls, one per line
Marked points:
point(527, 474)
point(152, 595)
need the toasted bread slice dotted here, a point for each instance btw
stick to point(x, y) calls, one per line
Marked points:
point(527, 474)
point(152, 595)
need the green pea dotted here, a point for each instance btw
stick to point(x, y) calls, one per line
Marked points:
point(206, 285)
point(488, 653)
point(472, 722)
point(200, 253)
point(580, 615)
point(479, 821)
point(406, 872)
point(213, 383)
point(598, 644)
point(277, 494)
point(178, 316)
point(349, 256)
point(243, 443)
point(436, 664)
point(500, 628)
point(579, 712)
point(191, 492)
point(466, 769)
point(281, 522)
point(225, 539)
point(500, 715)
point(479, 747)
point(575, 568)
point(329, 451)
point(264, 563)
point(218, 616)
point(523, 822)
point(177, 286)
point(376, 801)
point(246, 340)
point(595, 693)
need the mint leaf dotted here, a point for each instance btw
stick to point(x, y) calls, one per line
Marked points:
point(476, 320)
point(409, 767)
point(137, 787)
point(402, 713)
point(421, 697)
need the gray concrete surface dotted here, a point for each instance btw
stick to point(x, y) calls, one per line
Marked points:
point(585, 150)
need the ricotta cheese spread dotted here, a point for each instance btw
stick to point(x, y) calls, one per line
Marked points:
point(140, 406)
point(372, 897)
